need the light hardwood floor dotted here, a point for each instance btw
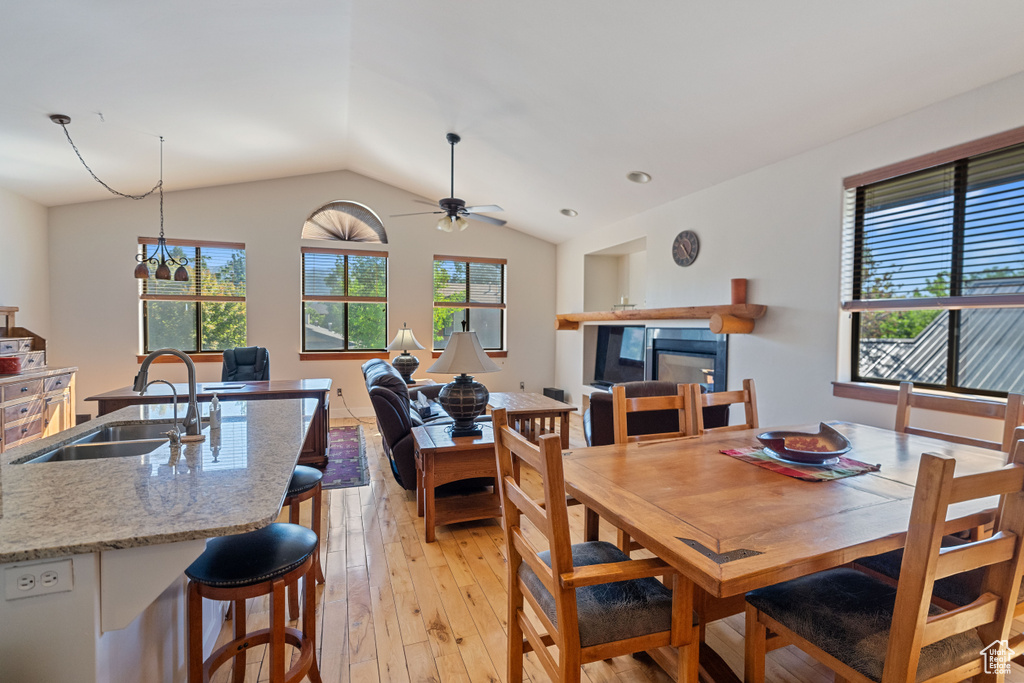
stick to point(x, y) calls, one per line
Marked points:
point(395, 609)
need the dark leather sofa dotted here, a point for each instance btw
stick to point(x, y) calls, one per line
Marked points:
point(392, 403)
point(598, 422)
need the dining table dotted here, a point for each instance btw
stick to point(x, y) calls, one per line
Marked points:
point(730, 526)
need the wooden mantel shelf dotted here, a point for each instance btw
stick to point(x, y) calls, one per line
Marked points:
point(731, 319)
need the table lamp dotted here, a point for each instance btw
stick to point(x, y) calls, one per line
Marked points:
point(463, 398)
point(406, 363)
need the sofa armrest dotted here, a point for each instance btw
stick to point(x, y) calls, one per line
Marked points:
point(430, 391)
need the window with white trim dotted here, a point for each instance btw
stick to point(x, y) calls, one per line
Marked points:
point(472, 291)
point(933, 271)
point(204, 313)
point(344, 300)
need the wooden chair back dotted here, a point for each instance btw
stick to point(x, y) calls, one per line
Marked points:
point(551, 518)
point(925, 561)
point(682, 400)
point(747, 396)
point(1012, 415)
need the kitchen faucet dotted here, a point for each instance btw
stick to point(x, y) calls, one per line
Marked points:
point(191, 422)
point(174, 391)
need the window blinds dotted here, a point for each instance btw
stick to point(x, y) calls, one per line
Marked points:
point(943, 237)
point(216, 272)
point(469, 282)
point(344, 275)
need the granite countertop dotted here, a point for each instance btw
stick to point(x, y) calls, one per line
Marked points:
point(212, 488)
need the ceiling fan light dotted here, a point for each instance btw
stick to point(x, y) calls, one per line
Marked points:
point(444, 224)
point(461, 222)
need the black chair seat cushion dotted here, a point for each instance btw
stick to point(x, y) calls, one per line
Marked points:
point(848, 614)
point(253, 557)
point(303, 479)
point(959, 589)
point(610, 611)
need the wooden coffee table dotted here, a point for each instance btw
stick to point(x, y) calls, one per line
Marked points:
point(440, 459)
point(534, 415)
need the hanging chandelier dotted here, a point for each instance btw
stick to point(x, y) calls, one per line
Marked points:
point(161, 258)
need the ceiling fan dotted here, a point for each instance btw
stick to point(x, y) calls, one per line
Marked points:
point(454, 209)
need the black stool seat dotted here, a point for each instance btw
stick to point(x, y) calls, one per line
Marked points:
point(253, 557)
point(303, 479)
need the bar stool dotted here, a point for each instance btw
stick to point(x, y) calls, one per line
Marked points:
point(306, 483)
point(235, 568)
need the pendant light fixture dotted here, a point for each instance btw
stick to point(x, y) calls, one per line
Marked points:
point(161, 257)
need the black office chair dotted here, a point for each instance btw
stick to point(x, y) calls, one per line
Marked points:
point(249, 363)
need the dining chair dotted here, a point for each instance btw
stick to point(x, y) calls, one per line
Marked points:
point(683, 401)
point(746, 396)
point(953, 591)
point(589, 600)
point(1012, 415)
point(865, 629)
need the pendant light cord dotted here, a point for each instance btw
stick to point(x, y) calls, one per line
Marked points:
point(159, 186)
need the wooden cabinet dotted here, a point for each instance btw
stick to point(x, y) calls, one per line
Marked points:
point(38, 401)
point(35, 404)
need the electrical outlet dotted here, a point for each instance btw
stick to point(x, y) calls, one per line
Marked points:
point(28, 580)
point(339, 391)
point(522, 386)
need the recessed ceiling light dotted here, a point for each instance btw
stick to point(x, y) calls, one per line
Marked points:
point(639, 177)
point(571, 213)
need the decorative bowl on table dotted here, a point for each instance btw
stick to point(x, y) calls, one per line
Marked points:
point(805, 448)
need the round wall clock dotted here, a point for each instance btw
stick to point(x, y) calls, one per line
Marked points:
point(685, 248)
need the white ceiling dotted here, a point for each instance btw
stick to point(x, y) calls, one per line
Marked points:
point(556, 100)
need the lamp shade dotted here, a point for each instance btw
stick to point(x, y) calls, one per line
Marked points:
point(404, 341)
point(463, 354)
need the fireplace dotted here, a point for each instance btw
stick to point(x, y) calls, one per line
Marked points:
point(687, 355)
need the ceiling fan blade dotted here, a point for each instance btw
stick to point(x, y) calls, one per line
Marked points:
point(485, 219)
point(487, 208)
point(424, 201)
point(418, 213)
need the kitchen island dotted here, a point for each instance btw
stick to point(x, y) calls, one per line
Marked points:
point(118, 532)
point(314, 451)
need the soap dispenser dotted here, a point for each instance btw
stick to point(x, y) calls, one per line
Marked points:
point(215, 413)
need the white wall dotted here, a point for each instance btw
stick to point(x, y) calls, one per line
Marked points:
point(96, 320)
point(780, 228)
point(24, 264)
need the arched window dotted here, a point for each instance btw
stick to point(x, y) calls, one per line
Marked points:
point(346, 221)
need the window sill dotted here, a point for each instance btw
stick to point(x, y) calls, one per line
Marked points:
point(206, 357)
point(343, 355)
point(490, 354)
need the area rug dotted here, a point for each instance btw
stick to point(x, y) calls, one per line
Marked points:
point(346, 458)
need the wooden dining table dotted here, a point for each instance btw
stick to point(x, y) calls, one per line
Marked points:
point(731, 526)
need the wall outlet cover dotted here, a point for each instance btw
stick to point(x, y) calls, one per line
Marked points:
point(29, 580)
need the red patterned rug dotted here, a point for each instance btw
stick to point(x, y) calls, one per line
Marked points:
point(346, 458)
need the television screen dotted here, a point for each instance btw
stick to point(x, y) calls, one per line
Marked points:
point(619, 355)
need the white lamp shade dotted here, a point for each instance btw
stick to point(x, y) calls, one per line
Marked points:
point(404, 341)
point(463, 354)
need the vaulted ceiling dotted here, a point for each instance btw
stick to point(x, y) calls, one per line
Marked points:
point(555, 100)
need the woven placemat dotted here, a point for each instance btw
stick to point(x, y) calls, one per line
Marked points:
point(846, 467)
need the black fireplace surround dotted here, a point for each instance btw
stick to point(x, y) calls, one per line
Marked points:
point(686, 355)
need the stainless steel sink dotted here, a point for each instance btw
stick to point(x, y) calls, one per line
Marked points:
point(111, 441)
point(131, 432)
point(99, 449)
